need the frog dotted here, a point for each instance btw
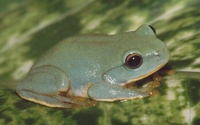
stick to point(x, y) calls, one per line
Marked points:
point(82, 70)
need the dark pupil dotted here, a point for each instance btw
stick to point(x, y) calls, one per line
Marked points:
point(134, 61)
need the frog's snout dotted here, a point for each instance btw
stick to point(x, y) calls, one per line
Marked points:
point(162, 55)
point(166, 53)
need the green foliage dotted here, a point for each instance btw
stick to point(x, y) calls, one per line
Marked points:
point(28, 28)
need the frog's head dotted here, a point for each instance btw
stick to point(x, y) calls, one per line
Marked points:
point(141, 53)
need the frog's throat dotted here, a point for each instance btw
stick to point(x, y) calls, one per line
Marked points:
point(146, 75)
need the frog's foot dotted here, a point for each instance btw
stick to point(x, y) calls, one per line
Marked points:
point(78, 101)
point(46, 99)
point(109, 92)
point(167, 71)
point(150, 88)
point(56, 100)
point(45, 84)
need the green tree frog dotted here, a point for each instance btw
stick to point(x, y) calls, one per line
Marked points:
point(94, 67)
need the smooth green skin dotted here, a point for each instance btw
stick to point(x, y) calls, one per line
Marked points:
point(93, 67)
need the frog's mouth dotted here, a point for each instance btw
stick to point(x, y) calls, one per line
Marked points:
point(144, 76)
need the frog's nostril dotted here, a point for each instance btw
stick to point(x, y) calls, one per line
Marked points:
point(157, 53)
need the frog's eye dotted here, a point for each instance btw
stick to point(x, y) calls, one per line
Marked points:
point(133, 60)
point(152, 29)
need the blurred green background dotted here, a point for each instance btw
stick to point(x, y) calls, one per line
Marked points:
point(28, 28)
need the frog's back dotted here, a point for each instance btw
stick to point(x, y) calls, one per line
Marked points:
point(83, 48)
point(85, 57)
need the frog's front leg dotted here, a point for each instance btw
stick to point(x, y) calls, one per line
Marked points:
point(110, 92)
point(46, 85)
